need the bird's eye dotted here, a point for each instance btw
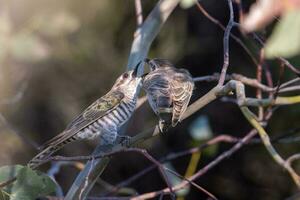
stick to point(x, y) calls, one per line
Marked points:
point(125, 75)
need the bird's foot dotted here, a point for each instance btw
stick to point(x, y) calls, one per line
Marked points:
point(163, 127)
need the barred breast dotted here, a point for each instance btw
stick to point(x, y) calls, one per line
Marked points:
point(107, 126)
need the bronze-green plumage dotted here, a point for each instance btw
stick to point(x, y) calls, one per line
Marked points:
point(101, 119)
point(169, 90)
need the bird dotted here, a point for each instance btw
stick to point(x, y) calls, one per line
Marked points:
point(168, 91)
point(101, 119)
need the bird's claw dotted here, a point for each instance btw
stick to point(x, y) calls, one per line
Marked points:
point(162, 127)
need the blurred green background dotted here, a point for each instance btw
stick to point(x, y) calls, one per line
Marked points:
point(57, 57)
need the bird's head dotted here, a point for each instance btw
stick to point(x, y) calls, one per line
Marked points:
point(157, 63)
point(128, 82)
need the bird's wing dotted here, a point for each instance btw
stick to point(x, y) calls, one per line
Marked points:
point(157, 87)
point(182, 86)
point(95, 111)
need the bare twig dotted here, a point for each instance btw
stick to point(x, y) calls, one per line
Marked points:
point(285, 137)
point(266, 140)
point(229, 26)
point(243, 102)
point(269, 79)
point(234, 37)
point(218, 139)
point(161, 170)
point(292, 159)
point(290, 82)
point(241, 97)
point(259, 79)
point(252, 82)
point(137, 150)
point(238, 77)
point(255, 36)
point(200, 172)
point(192, 183)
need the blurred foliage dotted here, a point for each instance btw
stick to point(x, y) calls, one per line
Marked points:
point(200, 129)
point(29, 184)
point(285, 39)
point(187, 3)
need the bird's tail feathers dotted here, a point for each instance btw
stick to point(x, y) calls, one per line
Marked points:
point(42, 156)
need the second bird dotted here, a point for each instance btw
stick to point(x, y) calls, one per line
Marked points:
point(169, 90)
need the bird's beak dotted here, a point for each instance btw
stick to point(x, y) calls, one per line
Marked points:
point(144, 75)
point(146, 60)
point(136, 68)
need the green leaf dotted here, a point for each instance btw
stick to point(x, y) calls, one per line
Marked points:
point(29, 184)
point(285, 39)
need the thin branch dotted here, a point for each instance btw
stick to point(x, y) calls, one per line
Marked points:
point(255, 36)
point(172, 156)
point(201, 172)
point(229, 26)
point(282, 138)
point(161, 170)
point(251, 82)
point(266, 140)
point(292, 159)
point(192, 183)
point(234, 37)
point(240, 94)
point(137, 150)
point(290, 82)
point(259, 79)
point(221, 138)
point(290, 89)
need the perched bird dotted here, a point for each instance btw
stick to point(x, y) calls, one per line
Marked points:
point(169, 90)
point(103, 118)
